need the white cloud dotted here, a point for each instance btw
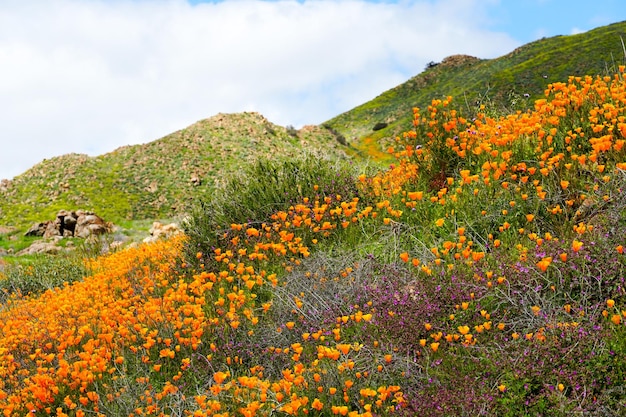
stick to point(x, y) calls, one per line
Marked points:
point(576, 31)
point(88, 76)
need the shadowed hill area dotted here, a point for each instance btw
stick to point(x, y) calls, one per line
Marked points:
point(508, 83)
point(157, 179)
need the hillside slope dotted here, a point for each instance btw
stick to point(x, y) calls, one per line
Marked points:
point(306, 288)
point(160, 178)
point(157, 179)
point(508, 83)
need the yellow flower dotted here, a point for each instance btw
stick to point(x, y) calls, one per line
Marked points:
point(544, 263)
point(416, 195)
point(252, 232)
point(344, 348)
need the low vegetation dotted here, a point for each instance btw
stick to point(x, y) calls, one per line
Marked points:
point(163, 178)
point(482, 273)
point(159, 179)
point(506, 84)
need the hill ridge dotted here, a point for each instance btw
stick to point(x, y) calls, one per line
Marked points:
point(159, 178)
point(162, 177)
point(509, 82)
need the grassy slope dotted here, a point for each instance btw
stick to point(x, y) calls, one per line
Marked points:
point(503, 81)
point(517, 310)
point(500, 294)
point(153, 180)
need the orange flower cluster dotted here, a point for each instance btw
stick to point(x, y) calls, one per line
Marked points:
point(144, 312)
point(67, 351)
point(53, 348)
point(528, 163)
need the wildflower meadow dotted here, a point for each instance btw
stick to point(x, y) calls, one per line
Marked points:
point(481, 273)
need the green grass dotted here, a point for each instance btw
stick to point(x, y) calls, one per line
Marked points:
point(32, 275)
point(559, 351)
point(501, 82)
point(154, 180)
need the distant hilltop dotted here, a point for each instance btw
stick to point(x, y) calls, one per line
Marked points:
point(162, 178)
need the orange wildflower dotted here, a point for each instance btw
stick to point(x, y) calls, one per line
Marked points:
point(544, 263)
point(220, 377)
point(577, 245)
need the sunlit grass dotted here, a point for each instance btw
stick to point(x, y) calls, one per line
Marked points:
point(482, 273)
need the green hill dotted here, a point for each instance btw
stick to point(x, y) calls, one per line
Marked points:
point(306, 287)
point(157, 179)
point(160, 178)
point(508, 83)
point(482, 274)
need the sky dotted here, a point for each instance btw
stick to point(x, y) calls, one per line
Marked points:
point(89, 76)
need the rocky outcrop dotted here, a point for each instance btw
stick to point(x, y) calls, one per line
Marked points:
point(5, 230)
point(41, 246)
point(90, 224)
point(195, 180)
point(159, 231)
point(4, 185)
point(458, 60)
point(37, 229)
point(77, 223)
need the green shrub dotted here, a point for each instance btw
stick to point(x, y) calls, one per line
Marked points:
point(35, 275)
point(262, 189)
